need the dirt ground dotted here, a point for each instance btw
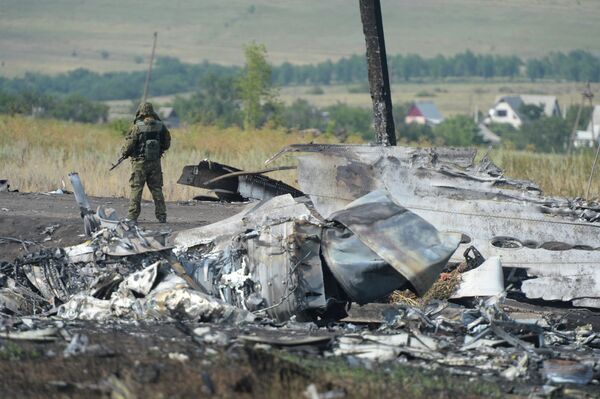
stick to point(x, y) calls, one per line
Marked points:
point(159, 360)
point(25, 216)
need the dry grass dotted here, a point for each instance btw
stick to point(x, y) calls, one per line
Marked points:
point(35, 155)
point(442, 289)
point(557, 174)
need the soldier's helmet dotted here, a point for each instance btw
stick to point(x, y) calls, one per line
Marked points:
point(145, 109)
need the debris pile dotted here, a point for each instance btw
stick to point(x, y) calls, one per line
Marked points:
point(277, 258)
point(375, 220)
point(552, 243)
point(484, 340)
point(281, 258)
point(120, 272)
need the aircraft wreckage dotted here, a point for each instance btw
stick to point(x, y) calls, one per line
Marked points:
point(547, 246)
point(373, 220)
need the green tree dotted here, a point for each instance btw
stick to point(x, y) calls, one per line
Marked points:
point(531, 112)
point(347, 119)
point(584, 118)
point(458, 130)
point(511, 137)
point(413, 132)
point(547, 134)
point(535, 69)
point(255, 84)
point(302, 115)
point(216, 102)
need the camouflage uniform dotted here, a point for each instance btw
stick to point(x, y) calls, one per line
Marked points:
point(143, 171)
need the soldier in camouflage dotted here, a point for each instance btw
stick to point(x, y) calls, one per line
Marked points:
point(145, 143)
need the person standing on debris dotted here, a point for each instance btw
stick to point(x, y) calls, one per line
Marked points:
point(145, 143)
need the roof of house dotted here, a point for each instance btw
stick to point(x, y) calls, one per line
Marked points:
point(429, 110)
point(548, 103)
point(515, 102)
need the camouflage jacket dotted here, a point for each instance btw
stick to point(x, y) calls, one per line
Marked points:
point(133, 141)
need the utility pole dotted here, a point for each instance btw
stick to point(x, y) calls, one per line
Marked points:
point(149, 74)
point(379, 82)
point(587, 93)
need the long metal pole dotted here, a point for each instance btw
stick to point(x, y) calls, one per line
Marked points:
point(379, 82)
point(587, 191)
point(149, 74)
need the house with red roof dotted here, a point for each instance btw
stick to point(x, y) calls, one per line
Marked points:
point(423, 113)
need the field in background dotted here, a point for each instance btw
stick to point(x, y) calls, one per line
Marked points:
point(556, 174)
point(36, 155)
point(59, 35)
point(451, 98)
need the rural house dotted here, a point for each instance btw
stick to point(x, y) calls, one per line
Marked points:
point(508, 108)
point(423, 113)
point(587, 137)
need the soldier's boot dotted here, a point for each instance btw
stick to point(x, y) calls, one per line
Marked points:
point(160, 208)
point(155, 183)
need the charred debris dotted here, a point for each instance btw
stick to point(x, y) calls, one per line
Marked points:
point(370, 220)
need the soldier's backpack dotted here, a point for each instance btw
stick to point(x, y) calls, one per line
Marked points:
point(150, 143)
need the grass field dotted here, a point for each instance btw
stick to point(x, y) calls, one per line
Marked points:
point(59, 35)
point(36, 155)
point(451, 98)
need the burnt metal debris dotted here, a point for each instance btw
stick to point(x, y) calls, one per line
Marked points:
point(281, 258)
point(548, 245)
point(5, 186)
point(374, 220)
point(266, 260)
point(234, 185)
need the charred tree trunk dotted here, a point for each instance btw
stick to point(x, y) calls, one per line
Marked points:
point(379, 82)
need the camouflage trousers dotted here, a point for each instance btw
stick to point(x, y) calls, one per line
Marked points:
point(150, 173)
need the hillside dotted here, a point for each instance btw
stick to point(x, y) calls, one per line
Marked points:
point(114, 35)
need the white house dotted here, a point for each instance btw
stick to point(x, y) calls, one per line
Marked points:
point(587, 137)
point(507, 108)
point(594, 123)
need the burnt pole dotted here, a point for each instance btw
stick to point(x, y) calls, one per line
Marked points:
point(379, 81)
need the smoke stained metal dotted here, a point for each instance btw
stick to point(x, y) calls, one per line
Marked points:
point(379, 82)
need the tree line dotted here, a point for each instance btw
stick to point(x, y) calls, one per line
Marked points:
point(247, 97)
point(171, 76)
point(72, 108)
